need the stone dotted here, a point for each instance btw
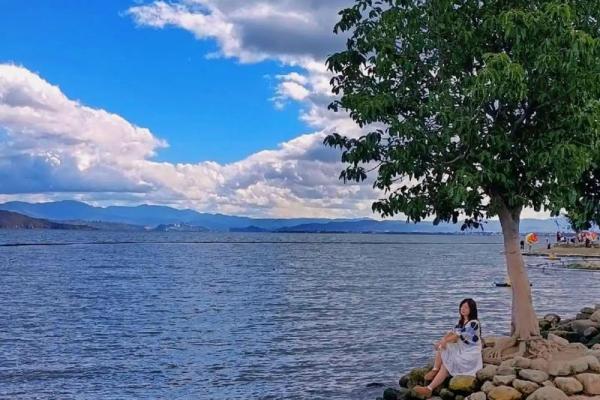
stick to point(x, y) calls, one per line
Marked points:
point(544, 325)
point(459, 397)
point(525, 387)
point(533, 375)
point(477, 396)
point(463, 383)
point(581, 325)
point(503, 380)
point(594, 342)
point(587, 310)
point(508, 363)
point(539, 363)
point(591, 383)
point(446, 394)
point(547, 393)
point(487, 387)
point(506, 370)
point(504, 393)
point(594, 352)
point(590, 332)
point(487, 373)
point(414, 377)
point(552, 318)
point(392, 394)
point(581, 316)
point(548, 383)
point(579, 365)
point(593, 363)
point(558, 339)
point(522, 362)
point(568, 385)
point(583, 397)
point(559, 368)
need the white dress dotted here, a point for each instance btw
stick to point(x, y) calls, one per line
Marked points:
point(464, 356)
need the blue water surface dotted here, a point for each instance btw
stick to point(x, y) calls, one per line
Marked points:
point(105, 315)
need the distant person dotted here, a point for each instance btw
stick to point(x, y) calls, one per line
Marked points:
point(522, 245)
point(558, 237)
point(548, 246)
point(458, 352)
point(588, 243)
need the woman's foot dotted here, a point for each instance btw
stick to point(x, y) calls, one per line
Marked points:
point(423, 391)
point(431, 374)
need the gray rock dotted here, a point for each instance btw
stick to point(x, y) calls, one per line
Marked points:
point(487, 373)
point(477, 396)
point(504, 380)
point(591, 383)
point(568, 385)
point(533, 375)
point(547, 393)
point(552, 318)
point(525, 387)
point(581, 325)
point(590, 332)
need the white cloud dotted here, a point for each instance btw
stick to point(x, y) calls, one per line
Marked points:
point(252, 31)
point(53, 147)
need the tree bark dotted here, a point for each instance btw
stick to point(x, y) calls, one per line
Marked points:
point(524, 324)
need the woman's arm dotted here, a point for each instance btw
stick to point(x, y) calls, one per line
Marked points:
point(450, 337)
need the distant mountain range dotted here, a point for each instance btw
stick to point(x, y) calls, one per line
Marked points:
point(12, 220)
point(169, 219)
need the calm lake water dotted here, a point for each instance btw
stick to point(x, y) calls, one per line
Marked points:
point(252, 316)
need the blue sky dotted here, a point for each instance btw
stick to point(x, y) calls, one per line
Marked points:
point(91, 92)
point(207, 109)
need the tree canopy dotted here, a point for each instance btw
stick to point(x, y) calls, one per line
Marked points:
point(472, 105)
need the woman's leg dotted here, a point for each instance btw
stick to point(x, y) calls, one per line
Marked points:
point(439, 378)
point(438, 360)
point(436, 367)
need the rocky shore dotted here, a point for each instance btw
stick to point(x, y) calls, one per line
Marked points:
point(521, 378)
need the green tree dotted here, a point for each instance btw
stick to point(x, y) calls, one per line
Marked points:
point(474, 109)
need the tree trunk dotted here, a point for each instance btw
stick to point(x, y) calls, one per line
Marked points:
point(524, 320)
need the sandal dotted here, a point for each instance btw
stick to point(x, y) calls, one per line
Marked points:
point(431, 374)
point(423, 391)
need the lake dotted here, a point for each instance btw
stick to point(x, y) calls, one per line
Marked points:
point(104, 315)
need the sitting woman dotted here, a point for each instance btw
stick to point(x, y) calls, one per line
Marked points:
point(458, 352)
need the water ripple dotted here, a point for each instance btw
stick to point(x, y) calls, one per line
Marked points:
point(263, 316)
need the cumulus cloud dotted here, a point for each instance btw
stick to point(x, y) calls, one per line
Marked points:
point(252, 31)
point(53, 147)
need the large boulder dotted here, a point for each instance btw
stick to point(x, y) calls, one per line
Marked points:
point(569, 385)
point(533, 375)
point(581, 325)
point(593, 363)
point(557, 339)
point(477, 396)
point(548, 393)
point(487, 373)
point(595, 316)
point(591, 383)
point(487, 387)
point(506, 380)
point(590, 332)
point(415, 377)
point(463, 384)
point(504, 393)
point(552, 318)
point(525, 387)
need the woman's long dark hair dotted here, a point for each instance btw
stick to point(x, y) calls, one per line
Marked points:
point(472, 311)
